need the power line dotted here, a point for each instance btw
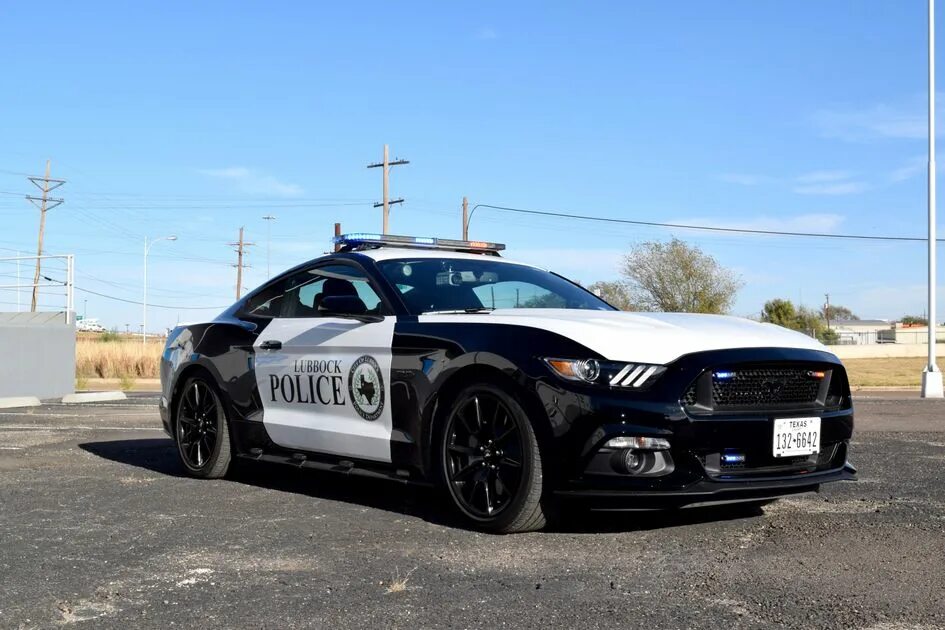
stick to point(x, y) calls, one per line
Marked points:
point(118, 299)
point(706, 228)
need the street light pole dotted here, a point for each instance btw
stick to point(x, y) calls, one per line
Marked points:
point(144, 303)
point(931, 376)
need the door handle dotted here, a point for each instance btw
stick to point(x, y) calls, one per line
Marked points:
point(271, 344)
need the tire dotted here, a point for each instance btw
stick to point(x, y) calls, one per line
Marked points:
point(201, 430)
point(491, 462)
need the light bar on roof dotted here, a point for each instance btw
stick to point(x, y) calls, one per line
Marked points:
point(360, 239)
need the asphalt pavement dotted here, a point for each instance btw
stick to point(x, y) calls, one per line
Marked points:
point(100, 529)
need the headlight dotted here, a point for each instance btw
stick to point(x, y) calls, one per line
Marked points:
point(586, 370)
point(636, 376)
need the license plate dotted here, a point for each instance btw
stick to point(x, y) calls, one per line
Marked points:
point(796, 436)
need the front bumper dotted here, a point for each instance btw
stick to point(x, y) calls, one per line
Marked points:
point(705, 491)
point(584, 418)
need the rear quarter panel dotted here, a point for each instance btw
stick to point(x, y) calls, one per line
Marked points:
point(222, 349)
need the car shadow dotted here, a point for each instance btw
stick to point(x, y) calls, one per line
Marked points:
point(160, 456)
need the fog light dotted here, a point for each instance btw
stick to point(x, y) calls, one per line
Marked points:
point(633, 462)
point(638, 442)
point(642, 463)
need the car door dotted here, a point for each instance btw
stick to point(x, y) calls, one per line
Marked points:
point(324, 380)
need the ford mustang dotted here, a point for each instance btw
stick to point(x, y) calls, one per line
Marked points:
point(515, 390)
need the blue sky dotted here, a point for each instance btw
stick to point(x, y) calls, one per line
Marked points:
point(196, 118)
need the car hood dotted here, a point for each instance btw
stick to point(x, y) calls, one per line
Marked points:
point(645, 337)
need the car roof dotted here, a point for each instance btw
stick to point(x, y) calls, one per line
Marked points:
point(396, 253)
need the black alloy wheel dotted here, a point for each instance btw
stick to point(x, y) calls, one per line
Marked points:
point(201, 432)
point(491, 462)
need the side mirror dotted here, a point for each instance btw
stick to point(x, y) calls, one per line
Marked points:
point(346, 306)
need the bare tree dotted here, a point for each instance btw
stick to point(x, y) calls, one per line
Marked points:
point(678, 277)
point(616, 293)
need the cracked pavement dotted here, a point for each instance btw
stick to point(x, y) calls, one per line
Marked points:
point(101, 529)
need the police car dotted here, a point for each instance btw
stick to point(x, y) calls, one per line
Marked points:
point(517, 391)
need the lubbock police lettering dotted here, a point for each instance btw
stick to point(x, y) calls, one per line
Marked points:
point(313, 382)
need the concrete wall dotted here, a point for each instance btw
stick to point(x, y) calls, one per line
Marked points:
point(878, 350)
point(38, 355)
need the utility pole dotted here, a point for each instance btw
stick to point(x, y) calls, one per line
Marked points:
point(269, 219)
point(465, 219)
point(240, 246)
point(387, 203)
point(827, 309)
point(44, 203)
point(337, 233)
point(931, 375)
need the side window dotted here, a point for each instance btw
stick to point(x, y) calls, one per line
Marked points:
point(301, 294)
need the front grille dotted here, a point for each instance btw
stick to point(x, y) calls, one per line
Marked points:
point(759, 387)
point(765, 386)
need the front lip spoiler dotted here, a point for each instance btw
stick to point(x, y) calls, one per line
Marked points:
point(707, 492)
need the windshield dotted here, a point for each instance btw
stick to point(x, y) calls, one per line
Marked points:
point(430, 285)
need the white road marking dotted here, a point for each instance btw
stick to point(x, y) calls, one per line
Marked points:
point(43, 427)
point(69, 415)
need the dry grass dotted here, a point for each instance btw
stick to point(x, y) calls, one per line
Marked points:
point(125, 359)
point(399, 584)
point(128, 359)
point(885, 372)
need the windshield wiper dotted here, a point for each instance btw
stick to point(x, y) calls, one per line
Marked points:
point(480, 309)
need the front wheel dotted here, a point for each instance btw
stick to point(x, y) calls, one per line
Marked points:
point(201, 431)
point(491, 462)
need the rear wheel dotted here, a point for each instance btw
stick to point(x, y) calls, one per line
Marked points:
point(491, 462)
point(201, 431)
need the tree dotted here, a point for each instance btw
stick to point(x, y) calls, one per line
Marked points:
point(841, 314)
point(803, 319)
point(914, 320)
point(780, 312)
point(677, 277)
point(615, 293)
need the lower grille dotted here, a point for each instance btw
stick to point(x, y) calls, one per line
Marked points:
point(760, 462)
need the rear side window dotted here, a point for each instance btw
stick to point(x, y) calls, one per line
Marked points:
point(300, 294)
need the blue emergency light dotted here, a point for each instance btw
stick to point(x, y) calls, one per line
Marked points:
point(361, 240)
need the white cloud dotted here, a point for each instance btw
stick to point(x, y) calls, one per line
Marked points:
point(249, 181)
point(824, 182)
point(828, 183)
point(816, 177)
point(486, 32)
point(879, 121)
point(910, 169)
point(832, 188)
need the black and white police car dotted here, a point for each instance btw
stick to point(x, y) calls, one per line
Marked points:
point(516, 390)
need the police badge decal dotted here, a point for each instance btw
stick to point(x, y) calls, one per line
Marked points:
point(366, 388)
